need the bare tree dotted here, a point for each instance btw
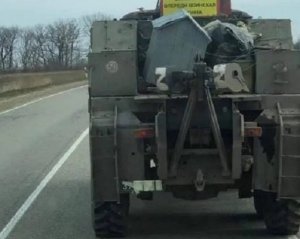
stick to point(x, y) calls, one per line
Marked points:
point(88, 20)
point(63, 42)
point(41, 42)
point(34, 49)
point(61, 45)
point(72, 42)
point(27, 49)
point(8, 38)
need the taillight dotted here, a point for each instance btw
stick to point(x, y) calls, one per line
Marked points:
point(252, 130)
point(144, 133)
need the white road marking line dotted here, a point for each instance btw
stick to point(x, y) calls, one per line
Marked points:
point(33, 196)
point(40, 99)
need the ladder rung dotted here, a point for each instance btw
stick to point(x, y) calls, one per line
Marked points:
point(291, 123)
point(291, 135)
point(288, 114)
point(291, 156)
point(200, 152)
point(290, 177)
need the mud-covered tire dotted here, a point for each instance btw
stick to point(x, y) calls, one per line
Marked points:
point(110, 218)
point(259, 203)
point(282, 217)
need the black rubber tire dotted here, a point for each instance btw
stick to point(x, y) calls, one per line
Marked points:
point(110, 218)
point(259, 203)
point(282, 217)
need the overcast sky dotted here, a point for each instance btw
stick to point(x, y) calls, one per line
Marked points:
point(32, 12)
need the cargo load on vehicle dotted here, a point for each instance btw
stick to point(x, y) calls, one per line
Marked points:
point(194, 98)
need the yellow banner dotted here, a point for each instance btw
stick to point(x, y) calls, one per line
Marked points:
point(197, 8)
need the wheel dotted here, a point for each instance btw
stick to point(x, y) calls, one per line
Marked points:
point(283, 217)
point(110, 218)
point(259, 203)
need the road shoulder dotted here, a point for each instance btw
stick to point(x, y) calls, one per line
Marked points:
point(10, 101)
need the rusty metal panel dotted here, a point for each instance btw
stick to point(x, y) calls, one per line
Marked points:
point(277, 72)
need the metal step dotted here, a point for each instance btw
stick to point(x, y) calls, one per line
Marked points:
point(289, 112)
point(292, 156)
point(200, 152)
point(291, 126)
point(291, 135)
point(290, 177)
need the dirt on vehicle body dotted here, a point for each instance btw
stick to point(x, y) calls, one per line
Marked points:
point(194, 102)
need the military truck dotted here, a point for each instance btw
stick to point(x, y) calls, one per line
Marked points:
point(194, 102)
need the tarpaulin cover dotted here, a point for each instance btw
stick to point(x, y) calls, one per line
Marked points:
point(229, 42)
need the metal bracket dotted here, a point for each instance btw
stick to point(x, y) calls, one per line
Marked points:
point(185, 124)
point(116, 153)
point(281, 132)
point(161, 139)
point(238, 133)
point(217, 134)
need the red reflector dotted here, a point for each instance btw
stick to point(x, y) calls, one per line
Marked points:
point(144, 133)
point(253, 132)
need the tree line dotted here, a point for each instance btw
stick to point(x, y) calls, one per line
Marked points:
point(56, 46)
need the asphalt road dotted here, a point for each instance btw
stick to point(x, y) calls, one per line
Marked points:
point(45, 184)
